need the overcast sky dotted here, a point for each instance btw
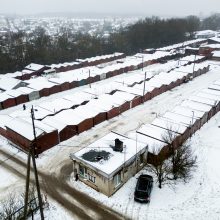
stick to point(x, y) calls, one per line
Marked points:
point(144, 7)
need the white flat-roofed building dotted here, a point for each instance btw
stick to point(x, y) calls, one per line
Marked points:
point(109, 162)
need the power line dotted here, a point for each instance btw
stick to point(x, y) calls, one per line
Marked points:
point(8, 158)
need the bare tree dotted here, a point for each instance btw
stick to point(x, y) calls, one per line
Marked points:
point(182, 161)
point(8, 207)
point(169, 138)
point(160, 168)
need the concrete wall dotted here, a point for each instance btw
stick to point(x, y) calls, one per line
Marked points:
point(106, 185)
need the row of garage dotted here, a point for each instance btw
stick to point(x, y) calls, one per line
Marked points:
point(42, 86)
point(67, 123)
point(175, 127)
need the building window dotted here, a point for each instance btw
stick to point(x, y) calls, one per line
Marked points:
point(117, 179)
point(91, 178)
point(82, 171)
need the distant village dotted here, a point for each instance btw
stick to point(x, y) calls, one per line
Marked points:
point(49, 106)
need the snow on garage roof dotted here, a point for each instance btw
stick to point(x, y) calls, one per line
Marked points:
point(185, 111)
point(14, 92)
point(78, 98)
point(169, 124)
point(123, 95)
point(154, 146)
point(34, 66)
point(196, 105)
point(215, 87)
point(4, 96)
point(209, 96)
point(23, 128)
point(26, 90)
point(154, 132)
point(110, 165)
point(7, 83)
point(52, 122)
point(56, 105)
point(211, 91)
point(180, 118)
point(203, 100)
point(40, 83)
point(4, 119)
point(39, 113)
point(216, 53)
point(70, 117)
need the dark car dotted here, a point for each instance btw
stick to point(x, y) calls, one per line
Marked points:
point(143, 188)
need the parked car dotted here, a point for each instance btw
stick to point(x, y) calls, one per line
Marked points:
point(143, 188)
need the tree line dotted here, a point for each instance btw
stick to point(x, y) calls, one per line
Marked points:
point(19, 49)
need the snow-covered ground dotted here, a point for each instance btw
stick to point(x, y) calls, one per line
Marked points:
point(198, 199)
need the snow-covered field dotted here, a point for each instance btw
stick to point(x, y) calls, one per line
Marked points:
point(198, 199)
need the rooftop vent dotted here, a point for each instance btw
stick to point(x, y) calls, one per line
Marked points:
point(118, 145)
point(96, 156)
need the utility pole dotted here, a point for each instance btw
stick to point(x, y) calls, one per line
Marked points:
point(31, 155)
point(27, 184)
point(35, 167)
point(89, 79)
point(194, 63)
point(145, 76)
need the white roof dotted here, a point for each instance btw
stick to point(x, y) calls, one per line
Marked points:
point(196, 105)
point(56, 105)
point(34, 66)
point(25, 71)
point(23, 128)
point(99, 89)
point(217, 39)
point(4, 96)
point(26, 90)
point(14, 92)
point(39, 113)
point(39, 83)
point(213, 46)
point(69, 117)
point(182, 44)
point(209, 96)
point(52, 122)
point(116, 159)
point(169, 124)
point(211, 91)
point(179, 118)
point(4, 119)
point(123, 95)
point(216, 54)
point(7, 83)
point(154, 132)
point(154, 146)
point(186, 111)
point(79, 97)
point(203, 100)
point(215, 87)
